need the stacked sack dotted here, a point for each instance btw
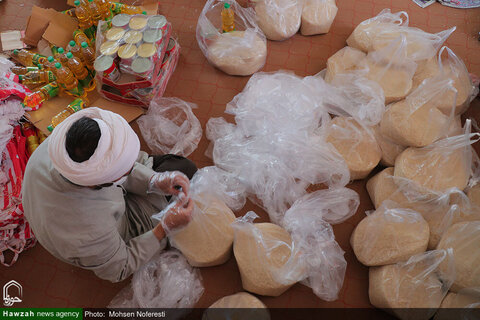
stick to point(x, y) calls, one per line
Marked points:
point(422, 239)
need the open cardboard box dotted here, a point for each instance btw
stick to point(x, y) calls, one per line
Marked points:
point(59, 32)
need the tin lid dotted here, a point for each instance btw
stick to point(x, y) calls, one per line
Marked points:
point(115, 34)
point(146, 50)
point(120, 20)
point(171, 44)
point(109, 48)
point(103, 63)
point(138, 22)
point(152, 35)
point(133, 37)
point(157, 22)
point(127, 51)
point(141, 65)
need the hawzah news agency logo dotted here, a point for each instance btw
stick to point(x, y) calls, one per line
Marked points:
point(8, 289)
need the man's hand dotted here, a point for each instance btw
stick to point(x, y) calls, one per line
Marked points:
point(176, 215)
point(170, 183)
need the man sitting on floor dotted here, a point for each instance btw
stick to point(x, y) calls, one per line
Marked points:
point(89, 194)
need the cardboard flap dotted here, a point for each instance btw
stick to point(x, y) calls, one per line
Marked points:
point(37, 24)
point(129, 112)
point(60, 30)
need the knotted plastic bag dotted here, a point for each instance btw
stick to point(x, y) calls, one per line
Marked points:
point(416, 121)
point(440, 166)
point(166, 281)
point(278, 19)
point(207, 239)
point(317, 16)
point(413, 289)
point(241, 52)
point(170, 126)
point(367, 31)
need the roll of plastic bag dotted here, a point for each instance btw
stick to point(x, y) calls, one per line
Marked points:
point(241, 52)
point(170, 126)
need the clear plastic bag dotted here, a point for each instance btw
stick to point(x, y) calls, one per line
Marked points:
point(166, 281)
point(317, 16)
point(366, 32)
point(463, 238)
point(278, 19)
point(356, 143)
point(207, 239)
point(448, 67)
point(390, 149)
point(343, 61)
point(170, 126)
point(276, 148)
point(413, 289)
point(241, 52)
point(416, 121)
point(440, 166)
point(389, 235)
point(421, 45)
point(391, 68)
point(463, 305)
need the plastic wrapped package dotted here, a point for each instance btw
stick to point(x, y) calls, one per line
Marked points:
point(416, 121)
point(365, 33)
point(391, 68)
point(207, 239)
point(463, 305)
point(356, 96)
point(413, 289)
point(241, 52)
point(317, 16)
point(278, 19)
point(440, 166)
point(357, 145)
point(167, 280)
point(421, 45)
point(276, 148)
point(260, 249)
point(390, 150)
point(342, 61)
point(389, 235)
point(170, 126)
point(463, 238)
point(239, 306)
point(382, 187)
point(451, 68)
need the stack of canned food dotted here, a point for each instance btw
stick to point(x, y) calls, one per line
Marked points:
point(132, 44)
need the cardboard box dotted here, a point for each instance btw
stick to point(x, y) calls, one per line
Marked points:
point(42, 117)
point(60, 29)
point(37, 23)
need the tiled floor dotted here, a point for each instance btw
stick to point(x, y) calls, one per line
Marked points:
point(48, 282)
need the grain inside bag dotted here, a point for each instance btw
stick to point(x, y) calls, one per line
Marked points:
point(356, 144)
point(234, 307)
point(278, 19)
point(261, 249)
point(317, 16)
point(389, 235)
point(343, 60)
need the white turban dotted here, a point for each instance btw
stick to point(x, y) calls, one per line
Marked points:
point(115, 155)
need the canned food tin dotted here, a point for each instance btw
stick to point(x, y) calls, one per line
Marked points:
point(152, 36)
point(127, 51)
point(115, 34)
point(109, 48)
point(146, 50)
point(157, 22)
point(133, 37)
point(171, 45)
point(121, 21)
point(106, 66)
point(137, 22)
point(142, 66)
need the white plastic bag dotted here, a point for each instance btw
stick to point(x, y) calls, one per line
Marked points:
point(241, 52)
point(366, 32)
point(278, 19)
point(317, 16)
point(413, 289)
point(170, 126)
point(166, 281)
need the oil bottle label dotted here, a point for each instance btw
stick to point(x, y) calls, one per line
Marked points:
point(116, 7)
point(38, 59)
point(77, 105)
point(51, 76)
point(52, 89)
